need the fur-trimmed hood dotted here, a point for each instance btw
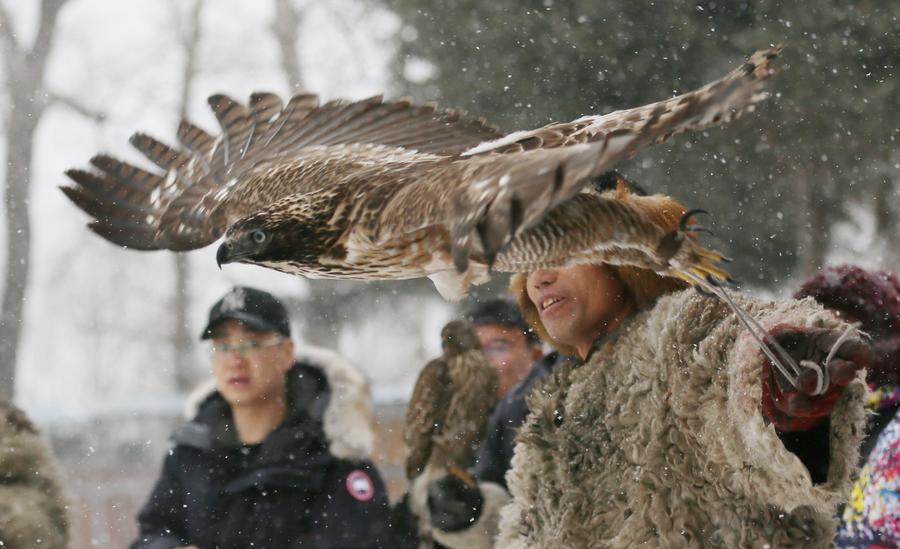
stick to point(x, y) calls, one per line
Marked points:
point(348, 417)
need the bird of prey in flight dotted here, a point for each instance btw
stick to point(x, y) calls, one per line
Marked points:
point(377, 189)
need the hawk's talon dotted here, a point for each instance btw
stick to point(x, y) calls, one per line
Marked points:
point(699, 229)
point(683, 223)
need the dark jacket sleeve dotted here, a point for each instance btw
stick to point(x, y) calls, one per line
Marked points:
point(491, 464)
point(352, 512)
point(160, 521)
point(496, 450)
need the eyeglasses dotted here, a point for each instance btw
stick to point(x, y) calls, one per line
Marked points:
point(246, 348)
point(498, 348)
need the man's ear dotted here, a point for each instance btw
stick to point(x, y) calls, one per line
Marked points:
point(536, 352)
point(289, 354)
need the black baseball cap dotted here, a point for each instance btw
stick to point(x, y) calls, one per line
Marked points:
point(257, 309)
point(502, 312)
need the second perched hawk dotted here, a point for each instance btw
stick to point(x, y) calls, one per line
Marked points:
point(391, 190)
point(452, 399)
point(447, 413)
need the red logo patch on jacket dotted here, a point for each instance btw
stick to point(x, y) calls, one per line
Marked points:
point(360, 485)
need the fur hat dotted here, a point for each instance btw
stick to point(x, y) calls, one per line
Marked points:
point(871, 298)
point(642, 285)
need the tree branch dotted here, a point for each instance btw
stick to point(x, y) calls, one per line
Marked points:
point(44, 38)
point(6, 27)
point(285, 26)
point(97, 116)
point(190, 39)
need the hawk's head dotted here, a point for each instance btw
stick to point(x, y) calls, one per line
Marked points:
point(458, 337)
point(246, 241)
point(278, 239)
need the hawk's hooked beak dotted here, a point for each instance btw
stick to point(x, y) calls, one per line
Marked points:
point(236, 249)
point(223, 254)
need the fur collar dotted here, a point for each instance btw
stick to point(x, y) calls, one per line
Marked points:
point(348, 421)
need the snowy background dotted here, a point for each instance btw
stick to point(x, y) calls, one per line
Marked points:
point(97, 323)
point(812, 178)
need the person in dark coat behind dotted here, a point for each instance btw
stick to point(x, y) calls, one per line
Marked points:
point(464, 515)
point(274, 456)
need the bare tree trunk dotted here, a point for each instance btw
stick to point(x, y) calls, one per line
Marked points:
point(286, 27)
point(812, 233)
point(885, 218)
point(24, 78)
point(20, 130)
point(182, 337)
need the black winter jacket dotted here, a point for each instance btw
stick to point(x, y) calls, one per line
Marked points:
point(286, 492)
point(496, 450)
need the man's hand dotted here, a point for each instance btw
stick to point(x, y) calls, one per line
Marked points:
point(453, 504)
point(827, 359)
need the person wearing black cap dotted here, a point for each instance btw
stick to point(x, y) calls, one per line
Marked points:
point(508, 342)
point(515, 351)
point(460, 514)
point(267, 461)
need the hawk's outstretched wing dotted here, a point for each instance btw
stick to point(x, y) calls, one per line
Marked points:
point(212, 181)
point(510, 184)
point(389, 190)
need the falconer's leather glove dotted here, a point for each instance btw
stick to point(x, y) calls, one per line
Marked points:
point(827, 360)
point(453, 503)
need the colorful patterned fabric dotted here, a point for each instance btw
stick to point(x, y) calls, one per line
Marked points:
point(883, 397)
point(872, 516)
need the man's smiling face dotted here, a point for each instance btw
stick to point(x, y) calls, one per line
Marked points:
point(576, 304)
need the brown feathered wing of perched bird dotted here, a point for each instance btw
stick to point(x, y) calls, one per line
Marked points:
point(452, 399)
point(379, 189)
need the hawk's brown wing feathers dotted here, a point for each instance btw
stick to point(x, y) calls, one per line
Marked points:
point(373, 189)
point(183, 209)
point(119, 199)
point(426, 414)
point(590, 221)
point(715, 103)
point(506, 193)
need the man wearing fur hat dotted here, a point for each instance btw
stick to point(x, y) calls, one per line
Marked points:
point(676, 430)
point(276, 455)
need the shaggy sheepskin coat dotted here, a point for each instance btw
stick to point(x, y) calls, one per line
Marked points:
point(658, 441)
point(32, 505)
